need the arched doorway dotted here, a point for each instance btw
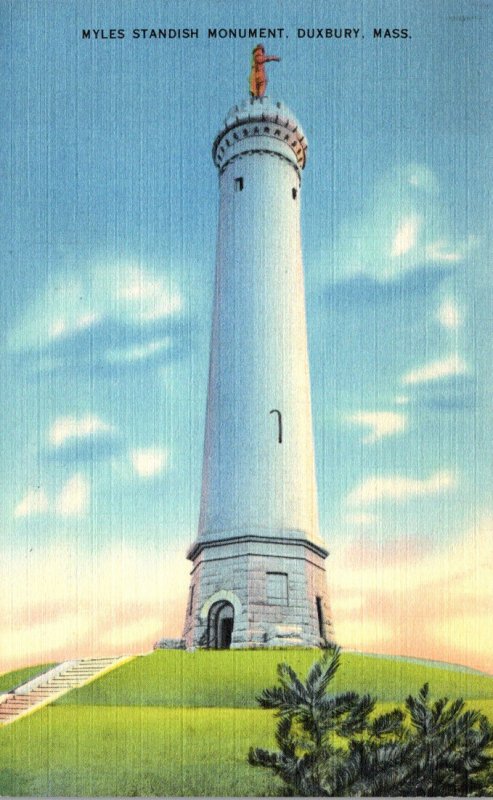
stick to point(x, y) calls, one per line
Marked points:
point(220, 625)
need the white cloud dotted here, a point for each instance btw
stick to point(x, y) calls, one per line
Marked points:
point(402, 400)
point(35, 502)
point(398, 487)
point(146, 296)
point(66, 428)
point(406, 236)
point(448, 314)
point(73, 499)
point(57, 328)
point(149, 461)
point(62, 327)
point(381, 423)
point(440, 251)
point(387, 239)
point(138, 352)
point(434, 370)
point(126, 293)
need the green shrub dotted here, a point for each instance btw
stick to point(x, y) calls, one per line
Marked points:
point(333, 745)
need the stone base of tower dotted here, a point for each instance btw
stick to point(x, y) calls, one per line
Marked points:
point(258, 591)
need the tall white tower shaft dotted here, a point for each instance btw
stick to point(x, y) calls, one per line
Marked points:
point(258, 575)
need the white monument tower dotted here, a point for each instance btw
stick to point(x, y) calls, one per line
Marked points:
point(258, 576)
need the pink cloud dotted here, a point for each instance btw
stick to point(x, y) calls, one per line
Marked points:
point(117, 601)
point(365, 553)
point(400, 599)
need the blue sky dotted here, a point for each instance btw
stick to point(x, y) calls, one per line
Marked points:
point(109, 224)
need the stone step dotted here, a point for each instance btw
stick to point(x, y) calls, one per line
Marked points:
point(56, 685)
point(13, 710)
point(71, 675)
point(59, 686)
point(66, 685)
point(77, 675)
point(43, 688)
point(87, 668)
point(24, 702)
point(74, 676)
point(20, 700)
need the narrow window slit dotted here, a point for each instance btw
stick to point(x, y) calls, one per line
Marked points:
point(320, 615)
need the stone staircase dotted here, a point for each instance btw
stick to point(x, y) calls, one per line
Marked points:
point(50, 685)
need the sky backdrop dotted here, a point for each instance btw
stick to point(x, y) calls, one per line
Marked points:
point(109, 212)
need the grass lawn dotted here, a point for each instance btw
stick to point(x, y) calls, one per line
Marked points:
point(9, 680)
point(121, 751)
point(232, 679)
point(175, 723)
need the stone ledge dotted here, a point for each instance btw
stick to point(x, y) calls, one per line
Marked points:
point(282, 541)
point(169, 644)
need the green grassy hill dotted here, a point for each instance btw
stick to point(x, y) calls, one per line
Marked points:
point(232, 679)
point(176, 723)
point(9, 680)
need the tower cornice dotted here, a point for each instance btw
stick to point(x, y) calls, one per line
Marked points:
point(202, 544)
point(270, 124)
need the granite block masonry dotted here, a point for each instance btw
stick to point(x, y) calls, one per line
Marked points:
point(258, 577)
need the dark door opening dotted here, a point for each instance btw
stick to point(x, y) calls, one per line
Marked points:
point(225, 633)
point(220, 625)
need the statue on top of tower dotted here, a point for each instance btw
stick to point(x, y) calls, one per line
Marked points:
point(258, 77)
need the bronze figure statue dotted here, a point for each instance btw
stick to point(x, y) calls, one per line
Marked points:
point(258, 77)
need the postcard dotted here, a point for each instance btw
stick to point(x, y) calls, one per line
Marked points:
point(247, 511)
